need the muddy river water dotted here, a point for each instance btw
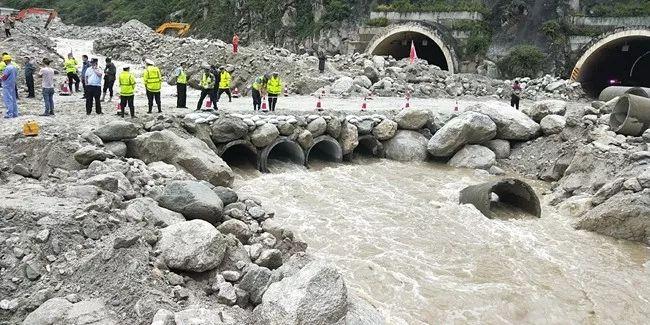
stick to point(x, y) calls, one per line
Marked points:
point(403, 243)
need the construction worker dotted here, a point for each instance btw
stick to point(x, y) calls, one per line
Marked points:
point(127, 90)
point(7, 25)
point(29, 77)
point(3, 65)
point(84, 67)
point(47, 74)
point(181, 86)
point(235, 43)
point(109, 79)
point(93, 78)
point(321, 61)
point(224, 83)
point(207, 88)
point(274, 89)
point(152, 82)
point(515, 97)
point(258, 88)
point(9, 76)
point(70, 65)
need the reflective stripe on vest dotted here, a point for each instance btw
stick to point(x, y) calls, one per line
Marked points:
point(127, 84)
point(70, 65)
point(182, 78)
point(224, 81)
point(207, 81)
point(274, 86)
point(152, 79)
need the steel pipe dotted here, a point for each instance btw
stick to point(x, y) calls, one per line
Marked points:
point(612, 92)
point(630, 115)
point(510, 192)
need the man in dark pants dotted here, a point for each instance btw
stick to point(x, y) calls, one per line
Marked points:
point(29, 77)
point(127, 91)
point(152, 79)
point(259, 85)
point(181, 86)
point(109, 79)
point(84, 67)
point(515, 97)
point(207, 84)
point(321, 61)
point(70, 66)
point(93, 78)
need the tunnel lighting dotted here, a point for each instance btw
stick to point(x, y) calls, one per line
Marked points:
point(425, 42)
point(403, 42)
point(613, 81)
point(625, 48)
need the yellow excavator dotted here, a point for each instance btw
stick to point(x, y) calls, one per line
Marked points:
point(173, 28)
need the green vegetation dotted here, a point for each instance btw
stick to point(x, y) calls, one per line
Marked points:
point(619, 8)
point(432, 6)
point(378, 22)
point(477, 45)
point(523, 61)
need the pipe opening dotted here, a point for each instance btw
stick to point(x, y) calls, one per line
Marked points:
point(631, 115)
point(368, 147)
point(280, 155)
point(240, 157)
point(398, 45)
point(506, 199)
point(325, 149)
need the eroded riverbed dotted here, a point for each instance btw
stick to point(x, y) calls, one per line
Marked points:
point(402, 242)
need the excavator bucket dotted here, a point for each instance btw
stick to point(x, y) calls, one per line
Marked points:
point(173, 28)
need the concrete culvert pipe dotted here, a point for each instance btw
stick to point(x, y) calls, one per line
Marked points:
point(282, 149)
point(612, 92)
point(631, 115)
point(239, 153)
point(369, 146)
point(500, 199)
point(324, 148)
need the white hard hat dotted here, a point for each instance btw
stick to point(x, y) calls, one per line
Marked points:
point(149, 61)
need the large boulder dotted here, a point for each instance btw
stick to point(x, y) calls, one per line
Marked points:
point(468, 128)
point(349, 138)
point(203, 316)
point(342, 85)
point(543, 108)
point(88, 154)
point(148, 209)
point(237, 228)
point(191, 154)
point(412, 118)
point(194, 200)
point(406, 146)
point(50, 312)
point(255, 282)
point(385, 130)
point(264, 135)
point(228, 129)
point(117, 130)
point(194, 246)
point(59, 311)
point(315, 295)
point(501, 148)
point(317, 127)
point(511, 123)
point(118, 148)
point(623, 216)
point(473, 156)
point(334, 127)
point(553, 124)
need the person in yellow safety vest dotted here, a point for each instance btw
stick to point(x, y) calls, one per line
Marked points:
point(207, 88)
point(224, 83)
point(258, 88)
point(274, 89)
point(127, 90)
point(181, 86)
point(70, 65)
point(152, 82)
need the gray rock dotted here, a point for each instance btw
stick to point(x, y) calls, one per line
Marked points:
point(270, 258)
point(226, 195)
point(231, 276)
point(90, 312)
point(88, 154)
point(385, 130)
point(543, 108)
point(365, 127)
point(342, 85)
point(92, 138)
point(316, 295)
point(237, 228)
point(116, 131)
point(255, 282)
point(163, 317)
point(553, 124)
point(406, 146)
point(646, 136)
point(334, 127)
point(511, 123)
point(305, 139)
point(363, 81)
point(608, 190)
point(228, 129)
point(118, 148)
point(191, 154)
point(349, 138)
point(192, 199)
point(202, 316)
point(473, 156)
point(412, 118)
point(194, 246)
point(21, 170)
point(50, 312)
point(264, 135)
point(468, 128)
point(317, 127)
point(494, 170)
point(286, 128)
point(148, 209)
point(226, 295)
point(623, 216)
point(360, 312)
point(501, 148)
point(106, 182)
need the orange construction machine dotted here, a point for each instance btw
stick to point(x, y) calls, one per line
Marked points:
point(51, 13)
point(171, 28)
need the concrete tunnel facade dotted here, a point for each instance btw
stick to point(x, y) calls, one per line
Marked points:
point(429, 44)
point(617, 58)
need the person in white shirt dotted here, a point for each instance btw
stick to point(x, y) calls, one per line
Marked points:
point(93, 79)
point(47, 74)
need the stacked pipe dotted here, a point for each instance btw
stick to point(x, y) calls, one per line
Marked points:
point(631, 112)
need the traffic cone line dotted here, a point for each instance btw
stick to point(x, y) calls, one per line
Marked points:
point(456, 107)
point(364, 105)
point(286, 92)
point(235, 93)
point(408, 100)
point(319, 105)
point(264, 108)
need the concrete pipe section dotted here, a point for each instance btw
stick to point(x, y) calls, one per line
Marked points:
point(631, 115)
point(612, 92)
point(502, 199)
point(369, 146)
point(282, 149)
point(620, 58)
point(324, 148)
point(240, 154)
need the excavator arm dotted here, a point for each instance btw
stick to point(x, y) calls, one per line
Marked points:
point(182, 29)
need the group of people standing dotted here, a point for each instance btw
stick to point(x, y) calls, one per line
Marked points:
point(9, 77)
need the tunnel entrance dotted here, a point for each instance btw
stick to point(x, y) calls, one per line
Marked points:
point(399, 46)
point(617, 60)
point(240, 156)
point(325, 149)
point(281, 151)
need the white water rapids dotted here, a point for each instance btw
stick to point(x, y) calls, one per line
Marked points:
point(401, 240)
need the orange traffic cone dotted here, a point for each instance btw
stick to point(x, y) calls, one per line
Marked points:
point(264, 108)
point(364, 105)
point(319, 105)
point(236, 93)
point(65, 89)
point(408, 100)
point(208, 104)
point(286, 92)
point(456, 107)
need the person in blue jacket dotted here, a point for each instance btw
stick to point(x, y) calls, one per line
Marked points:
point(9, 77)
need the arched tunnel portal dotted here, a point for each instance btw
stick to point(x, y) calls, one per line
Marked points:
point(429, 46)
point(617, 59)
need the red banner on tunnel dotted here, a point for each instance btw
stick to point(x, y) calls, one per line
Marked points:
point(414, 54)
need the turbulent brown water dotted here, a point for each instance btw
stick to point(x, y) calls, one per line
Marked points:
point(403, 243)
